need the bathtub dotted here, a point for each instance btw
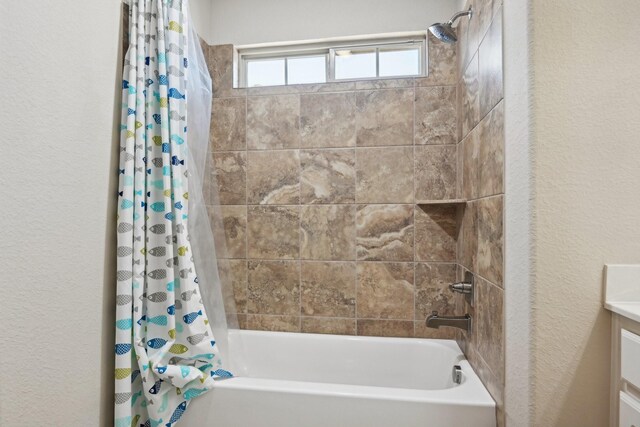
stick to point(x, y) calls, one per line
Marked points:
point(309, 380)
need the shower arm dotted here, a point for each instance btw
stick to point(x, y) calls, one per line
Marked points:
point(459, 15)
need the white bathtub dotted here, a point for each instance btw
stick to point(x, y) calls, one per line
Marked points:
point(309, 380)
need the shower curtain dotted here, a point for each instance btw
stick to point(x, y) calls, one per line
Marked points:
point(166, 352)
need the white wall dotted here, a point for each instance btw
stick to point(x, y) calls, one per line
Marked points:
point(201, 16)
point(243, 22)
point(59, 65)
point(519, 212)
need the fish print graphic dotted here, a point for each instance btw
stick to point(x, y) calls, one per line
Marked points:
point(156, 387)
point(124, 227)
point(157, 297)
point(123, 299)
point(178, 349)
point(189, 318)
point(177, 413)
point(156, 343)
point(122, 397)
point(158, 251)
point(157, 229)
point(193, 392)
point(123, 348)
point(196, 339)
point(158, 274)
point(155, 263)
point(124, 251)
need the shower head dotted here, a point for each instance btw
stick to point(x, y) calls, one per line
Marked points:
point(445, 32)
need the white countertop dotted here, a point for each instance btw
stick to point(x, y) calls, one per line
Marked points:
point(630, 310)
point(622, 290)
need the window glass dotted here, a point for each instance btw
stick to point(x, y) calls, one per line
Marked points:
point(306, 69)
point(265, 72)
point(355, 64)
point(399, 62)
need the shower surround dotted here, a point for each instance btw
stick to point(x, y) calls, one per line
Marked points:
point(321, 187)
point(481, 183)
point(318, 186)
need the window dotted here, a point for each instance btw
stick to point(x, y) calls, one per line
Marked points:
point(330, 62)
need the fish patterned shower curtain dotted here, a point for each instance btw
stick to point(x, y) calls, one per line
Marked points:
point(166, 354)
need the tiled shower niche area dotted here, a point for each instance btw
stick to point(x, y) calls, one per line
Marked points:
point(320, 188)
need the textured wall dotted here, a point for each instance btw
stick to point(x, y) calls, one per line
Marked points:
point(59, 109)
point(318, 185)
point(481, 183)
point(242, 22)
point(586, 104)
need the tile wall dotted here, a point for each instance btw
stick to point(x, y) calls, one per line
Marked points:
point(481, 181)
point(317, 186)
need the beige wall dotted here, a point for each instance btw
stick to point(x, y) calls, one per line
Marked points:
point(242, 22)
point(59, 65)
point(586, 135)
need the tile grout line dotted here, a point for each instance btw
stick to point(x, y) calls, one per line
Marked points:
point(415, 184)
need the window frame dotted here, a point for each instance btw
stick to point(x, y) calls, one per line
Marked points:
point(245, 54)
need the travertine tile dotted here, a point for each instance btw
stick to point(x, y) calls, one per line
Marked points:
point(273, 122)
point(432, 289)
point(273, 232)
point(235, 231)
point(231, 176)
point(384, 117)
point(328, 232)
point(234, 272)
point(328, 176)
point(435, 275)
point(490, 317)
point(435, 172)
point(490, 239)
point(436, 233)
point(384, 84)
point(436, 115)
point(274, 287)
point(385, 328)
point(273, 177)
point(459, 171)
point(467, 31)
point(328, 289)
point(470, 147)
point(220, 63)
point(328, 325)
point(385, 290)
point(490, 67)
point(228, 124)
point(484, 14)
point(442, 64)
point(328, 120)
point(468, 237)
point(384, 175)
point(442, 333)
point(259, 322)
point(470, 113)
point(385, 232)
point(491, 156)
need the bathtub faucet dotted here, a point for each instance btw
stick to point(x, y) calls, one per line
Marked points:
point(460, 322)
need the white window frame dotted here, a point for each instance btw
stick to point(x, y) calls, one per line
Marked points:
point(244, 54)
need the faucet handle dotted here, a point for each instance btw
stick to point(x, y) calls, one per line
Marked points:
point(462, 287)
point(465, 287)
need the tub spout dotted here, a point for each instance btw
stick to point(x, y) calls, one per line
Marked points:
point(460, 322)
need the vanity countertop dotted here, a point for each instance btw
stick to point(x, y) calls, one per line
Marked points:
point(630, 310)
point(622, 290)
